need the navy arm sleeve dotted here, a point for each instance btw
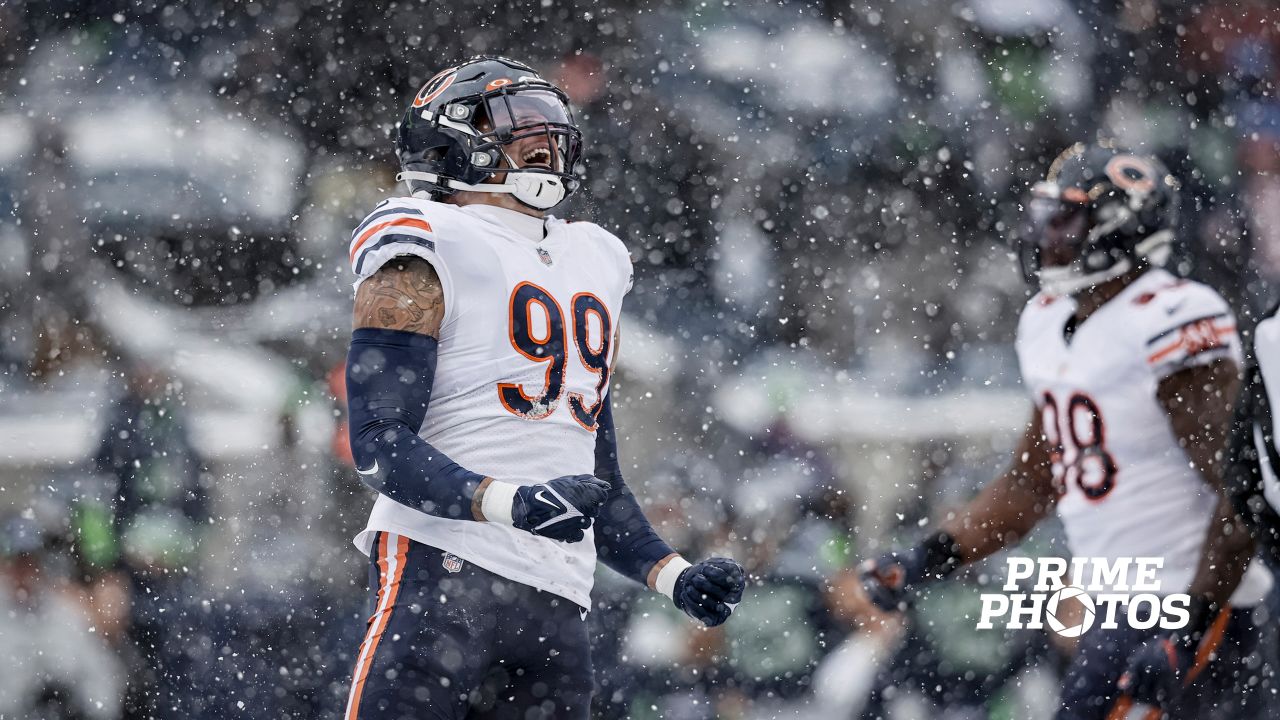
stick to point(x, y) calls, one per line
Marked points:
point(625, 540)
point(389, 378)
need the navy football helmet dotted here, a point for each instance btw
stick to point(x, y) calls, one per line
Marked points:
point(487, 117)
point(1100, 212)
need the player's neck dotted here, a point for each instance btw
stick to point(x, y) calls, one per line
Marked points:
point(1091, 300)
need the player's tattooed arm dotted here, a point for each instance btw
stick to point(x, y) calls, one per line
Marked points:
point(404, 294)
point(1199, 402)
point(1008, 508)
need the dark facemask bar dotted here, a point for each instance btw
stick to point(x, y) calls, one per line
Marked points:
point(517, 112)
point(1047, 230)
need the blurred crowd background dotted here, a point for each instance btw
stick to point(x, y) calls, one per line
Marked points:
point(819, 199)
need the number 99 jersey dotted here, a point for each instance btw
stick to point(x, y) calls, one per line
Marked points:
point(522, 369)
point(1126, 487)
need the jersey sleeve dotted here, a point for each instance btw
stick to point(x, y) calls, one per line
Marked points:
point(1189, 326)
point(398, 226)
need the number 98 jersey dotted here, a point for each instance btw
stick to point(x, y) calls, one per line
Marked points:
point(523, 365)
point(1127, 489)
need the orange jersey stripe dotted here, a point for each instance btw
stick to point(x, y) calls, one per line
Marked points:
point(391, 569)
point(1176, 344)
point(401, 222)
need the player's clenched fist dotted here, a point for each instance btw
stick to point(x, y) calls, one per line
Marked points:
point(889, 578)
point(561, 509)
point(709, 590)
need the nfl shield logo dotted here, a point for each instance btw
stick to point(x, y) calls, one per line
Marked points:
point(452, 562)
point(545, 257)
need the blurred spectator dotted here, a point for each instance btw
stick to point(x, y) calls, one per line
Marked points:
point(159, 511)
point(160, 495)
point(64, 670)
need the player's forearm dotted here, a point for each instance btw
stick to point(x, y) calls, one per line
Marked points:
point(389, 378)
point(1000, 516)
point(625, 539)
point(1006, 510)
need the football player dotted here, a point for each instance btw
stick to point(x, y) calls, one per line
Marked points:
point(485, 335)
point(1132, 373)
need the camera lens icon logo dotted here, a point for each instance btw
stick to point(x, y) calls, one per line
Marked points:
point(1055, 613)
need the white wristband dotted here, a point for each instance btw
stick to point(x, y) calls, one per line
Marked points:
point(497, 501)
point(665, 583)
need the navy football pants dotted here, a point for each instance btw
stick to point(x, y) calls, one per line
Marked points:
point(1225, 685)
point(449, 640)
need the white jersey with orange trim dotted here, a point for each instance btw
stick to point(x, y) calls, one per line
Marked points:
point(1128, 488)
point(523, 364)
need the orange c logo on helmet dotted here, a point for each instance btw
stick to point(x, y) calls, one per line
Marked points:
point(435, 86)
point(1131, 173)
point(495, 84)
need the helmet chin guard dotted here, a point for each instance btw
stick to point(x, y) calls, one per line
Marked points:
point(540, 191)
point(1068, 280)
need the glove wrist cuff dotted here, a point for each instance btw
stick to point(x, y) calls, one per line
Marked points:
point(498, 500)
point(665, 583)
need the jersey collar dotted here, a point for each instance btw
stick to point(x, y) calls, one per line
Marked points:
point(526, 226)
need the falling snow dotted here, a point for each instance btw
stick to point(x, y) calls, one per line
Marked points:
point(822, 202)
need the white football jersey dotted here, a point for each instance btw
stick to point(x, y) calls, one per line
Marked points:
point(1127, 487)
point(525, 347)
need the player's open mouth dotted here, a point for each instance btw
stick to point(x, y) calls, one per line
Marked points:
point(536, 157)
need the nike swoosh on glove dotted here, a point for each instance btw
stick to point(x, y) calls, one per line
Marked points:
point(1156, 671)
point(561, 509)
point(709, 590)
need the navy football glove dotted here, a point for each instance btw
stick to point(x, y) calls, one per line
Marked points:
point(890, 578)
point(560, 509)
point(709, 590)
point(1157, 671)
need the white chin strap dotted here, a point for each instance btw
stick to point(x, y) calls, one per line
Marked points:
point(1068, 279)
point(541, 191)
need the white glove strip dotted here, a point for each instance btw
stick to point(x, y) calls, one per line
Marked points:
point(665, 583)
point(497, 501)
